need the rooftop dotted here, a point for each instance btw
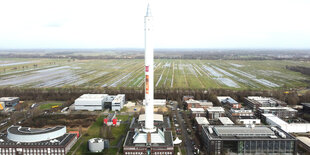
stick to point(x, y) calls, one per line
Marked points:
point(119, 98)
point(245, 132)
point(59, 141)
point(3, 99)
point(220, 109)
point(226, 99)
point(92, 96)
point(240, 111)
point(226, 121)
point(247, 117)
point(197, 110)
point(18, 130)
point(263, 100)
point(277, 108)
point(129, 141)
point(202, 120)
point(157, 117)
point(275, 119)
point(135, 123)
point(304, 140)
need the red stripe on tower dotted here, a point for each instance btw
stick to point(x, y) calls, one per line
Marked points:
point(147, 68)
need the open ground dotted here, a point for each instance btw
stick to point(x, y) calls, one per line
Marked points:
point(169, 73)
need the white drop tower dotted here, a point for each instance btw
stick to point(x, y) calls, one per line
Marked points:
point(149, 71)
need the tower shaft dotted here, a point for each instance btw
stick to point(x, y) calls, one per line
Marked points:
point(149, 70)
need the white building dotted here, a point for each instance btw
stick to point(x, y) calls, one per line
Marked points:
point(226, 121)
point(290, 128)
point(248, 120)
point(158, 102)
point(118, 102)
point(202, 121)
point(92, 102)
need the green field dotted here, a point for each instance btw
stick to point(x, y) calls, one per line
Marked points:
point(169, 73)
point(49, 105)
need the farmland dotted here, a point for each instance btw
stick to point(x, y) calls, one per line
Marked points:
point(169, 73)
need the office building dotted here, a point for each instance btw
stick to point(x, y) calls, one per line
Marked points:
point(247, 140)
point(254, 102)
point(197, 112)
point(93, 102)
point(27, 141)
point(213, 113)
point(227, 100)
point(282, 112)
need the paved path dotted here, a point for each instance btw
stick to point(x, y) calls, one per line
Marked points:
point(186, 138)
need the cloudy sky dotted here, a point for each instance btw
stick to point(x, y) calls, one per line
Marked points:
point(178, 23)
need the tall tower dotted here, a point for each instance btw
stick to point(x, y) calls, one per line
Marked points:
point(149, 71)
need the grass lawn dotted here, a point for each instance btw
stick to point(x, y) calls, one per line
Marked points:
point(49, 105)
point(94, 131)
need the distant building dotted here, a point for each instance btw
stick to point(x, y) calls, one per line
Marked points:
point(197, 112)
point(247, 120)
point(288, 127)
point(118, 102)
point(240, 112)
point(24, 140)
point(254, 102)
point(213, 113)
point(158, 102)
point(198, 104)
point(199, 122)
point(185, 98)
point(8, 102)
point(92, 102)
point(247, 140)
point(226, 121)
point(282, 112)
point(229, 101)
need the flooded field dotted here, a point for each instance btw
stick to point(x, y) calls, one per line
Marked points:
point(174, 73)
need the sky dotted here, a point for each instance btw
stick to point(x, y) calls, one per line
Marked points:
point(177, 23)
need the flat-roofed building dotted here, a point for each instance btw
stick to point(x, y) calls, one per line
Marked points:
point(254, 102)
point(288, 127)
point(213, 113)
point(24, 140)
point(240, 112)
point(9, 101)
point(198, 104)
point(92, 102)
point(229, 101)
point(118, 102)
point(247, 120)
point(188, 97)
point(247, 140)
point(201, 121)
point(282, 112)
point(197, 112)
point(226, 121)
point(158, 102)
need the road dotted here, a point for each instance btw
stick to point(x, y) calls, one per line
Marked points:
point(186, 137)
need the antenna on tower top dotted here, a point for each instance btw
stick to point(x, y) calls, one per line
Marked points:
point(148, 11)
